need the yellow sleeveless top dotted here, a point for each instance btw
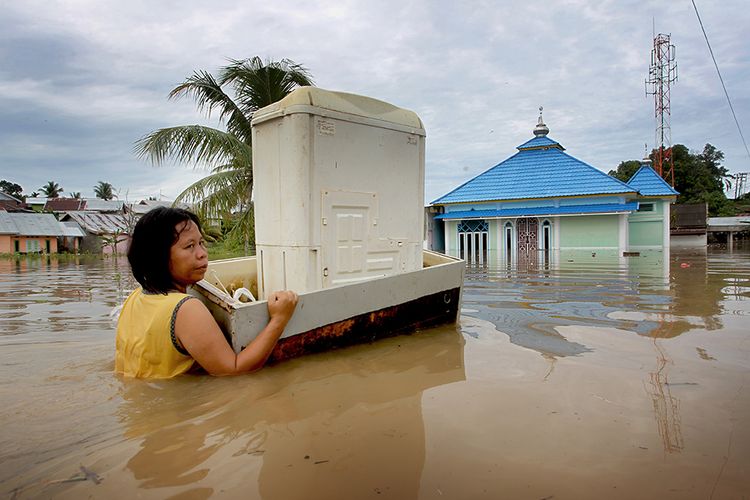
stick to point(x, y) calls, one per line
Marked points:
point(145, 345)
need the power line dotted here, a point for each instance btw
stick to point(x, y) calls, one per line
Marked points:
point(721, 79)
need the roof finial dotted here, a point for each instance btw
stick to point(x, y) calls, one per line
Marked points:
point(541, 129)
point(646, 158)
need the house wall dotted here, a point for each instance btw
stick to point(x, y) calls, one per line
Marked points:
point(647, 229)
point(451, 241)
point(27, 244)
point(589, 232)
point(93, 243)
point(122, 247)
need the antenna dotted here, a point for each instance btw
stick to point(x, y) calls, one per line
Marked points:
point(661, 74)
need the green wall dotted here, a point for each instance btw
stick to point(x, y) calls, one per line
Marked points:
point(647, 228)
point(589, 231)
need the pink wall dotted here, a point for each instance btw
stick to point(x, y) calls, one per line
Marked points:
point(7, 243)
point(122, 246)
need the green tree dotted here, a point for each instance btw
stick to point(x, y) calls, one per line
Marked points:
point(76, 195)
point(700, 177)
point(11, 188)
point(104, 190)
point(626, 170)
point(51, 189)
point(227, 153)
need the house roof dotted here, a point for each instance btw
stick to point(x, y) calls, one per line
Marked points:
point(21, 224)
point(7, 197)
point(64, 204)
point(648, 183)
point(36, 201)
point(602, 208)
point(96, 223)
point(99, 205)
point(540, 169)
point(72, 228)
point(144, 206)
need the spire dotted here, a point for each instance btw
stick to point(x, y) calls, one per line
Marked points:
point(646, 159)
point(541, 129)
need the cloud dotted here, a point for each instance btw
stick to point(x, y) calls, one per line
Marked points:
point(81, 80)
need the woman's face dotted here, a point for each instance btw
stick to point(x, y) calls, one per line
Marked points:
point(188, 259)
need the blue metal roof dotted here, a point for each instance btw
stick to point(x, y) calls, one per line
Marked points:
point(547, 172)
point(648, 183)
point(542, 211)
point(539, 142)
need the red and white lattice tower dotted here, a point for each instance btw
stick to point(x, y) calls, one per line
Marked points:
point(661, 74)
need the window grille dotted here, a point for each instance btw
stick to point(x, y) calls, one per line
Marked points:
point(473, 241)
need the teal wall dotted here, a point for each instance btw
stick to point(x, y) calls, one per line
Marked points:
point(590, 231)
point(646, 229)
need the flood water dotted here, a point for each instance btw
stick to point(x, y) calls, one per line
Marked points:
point(585, 379)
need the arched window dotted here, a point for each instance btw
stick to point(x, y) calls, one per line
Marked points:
point(546, 236)
point(508, 240)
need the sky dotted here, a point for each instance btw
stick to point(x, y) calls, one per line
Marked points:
point(82, 80)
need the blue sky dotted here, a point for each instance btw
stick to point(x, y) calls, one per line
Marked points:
point(82, 80)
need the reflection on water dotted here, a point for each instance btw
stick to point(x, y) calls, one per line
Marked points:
point(666, 406)
point(623, 375)
point(640, 294)
point(39, 295)
point(336, 402)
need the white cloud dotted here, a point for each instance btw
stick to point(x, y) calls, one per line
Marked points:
point(81, 80)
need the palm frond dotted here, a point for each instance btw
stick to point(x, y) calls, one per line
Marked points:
point(258, 83)
point(208, 95)
point(222, 191)
point(193, 144)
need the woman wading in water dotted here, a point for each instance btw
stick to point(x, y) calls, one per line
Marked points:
point(162, 332)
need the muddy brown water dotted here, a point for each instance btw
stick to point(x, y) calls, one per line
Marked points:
point(587, 378)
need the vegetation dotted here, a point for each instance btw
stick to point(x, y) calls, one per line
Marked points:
point(227, 190)
point(76, 195)
point(104, 191)
point(698, 177)
point(11, 188)
point(51, 189)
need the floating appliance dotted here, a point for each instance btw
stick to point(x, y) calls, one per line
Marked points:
point(339, 218)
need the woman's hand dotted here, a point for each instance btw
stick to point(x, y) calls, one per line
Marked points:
point(281, 306)
point(198, 332)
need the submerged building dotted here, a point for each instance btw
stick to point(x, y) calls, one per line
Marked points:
point(542, 201)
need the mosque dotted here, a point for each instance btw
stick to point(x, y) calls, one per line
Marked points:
point(542, 201)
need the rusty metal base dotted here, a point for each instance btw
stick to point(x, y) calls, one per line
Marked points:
point(424, 312)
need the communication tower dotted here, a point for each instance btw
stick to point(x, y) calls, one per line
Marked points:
point(661, 74)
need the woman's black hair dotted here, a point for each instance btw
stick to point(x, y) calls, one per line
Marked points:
point(150, 244)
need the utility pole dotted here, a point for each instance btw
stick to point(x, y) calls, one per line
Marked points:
point(740, 180)
point(661, 74)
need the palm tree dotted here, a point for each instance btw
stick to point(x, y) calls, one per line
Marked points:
point(51, 189)
point(104, 191)
point(76, 195)
point(227, 153)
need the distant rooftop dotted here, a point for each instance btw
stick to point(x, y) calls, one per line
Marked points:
point(21, 224)
point(99, 205)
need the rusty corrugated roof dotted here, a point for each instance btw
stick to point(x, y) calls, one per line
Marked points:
point(96, 223)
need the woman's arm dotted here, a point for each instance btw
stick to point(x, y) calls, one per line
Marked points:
point(198, 332)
